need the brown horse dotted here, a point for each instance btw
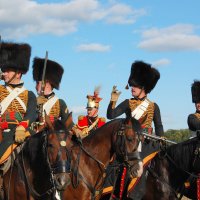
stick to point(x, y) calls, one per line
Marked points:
point(91, 156)
point(41, 168)
point(172, 169)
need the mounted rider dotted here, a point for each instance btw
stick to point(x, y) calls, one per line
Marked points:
point(47, 100)
point(91, 121)
point(194, 118)
point(143, 78)
point(18, 105)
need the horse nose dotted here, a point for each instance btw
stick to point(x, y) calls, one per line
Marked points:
point(62, 181)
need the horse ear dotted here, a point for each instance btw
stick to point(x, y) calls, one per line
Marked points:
point(48, 121)
point(69, 121)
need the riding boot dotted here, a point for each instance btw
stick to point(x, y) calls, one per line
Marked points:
point(1, 186)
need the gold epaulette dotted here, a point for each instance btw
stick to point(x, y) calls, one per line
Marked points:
point(80, 117)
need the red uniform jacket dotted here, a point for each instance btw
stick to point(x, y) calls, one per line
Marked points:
point(85, 122)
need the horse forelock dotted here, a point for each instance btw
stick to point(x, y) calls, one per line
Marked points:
point(59, 125)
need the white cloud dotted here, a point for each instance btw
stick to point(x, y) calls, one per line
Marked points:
point(21, 18)
point(161, 62)
point(78, 110)
point(123, 14)
point(93, 47)
point(180, 37)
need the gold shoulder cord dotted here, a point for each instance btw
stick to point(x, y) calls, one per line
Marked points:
point(18, 109)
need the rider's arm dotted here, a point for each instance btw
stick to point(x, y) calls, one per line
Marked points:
point(157, 121)
point(193, 122)
point(119, 110)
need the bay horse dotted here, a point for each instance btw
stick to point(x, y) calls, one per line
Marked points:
point(172, 170)
point(41, 168)
point(91, 156)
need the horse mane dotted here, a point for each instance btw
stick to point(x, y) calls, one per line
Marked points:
point(59, 125)
point(183, 152)
point(136, 125)
point(34, 148)
point(112, 123)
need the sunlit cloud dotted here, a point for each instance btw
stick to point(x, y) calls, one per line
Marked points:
point(33, 18)
point(180, 37)
point(93, 47)
point(161, 62)
point(78, 110)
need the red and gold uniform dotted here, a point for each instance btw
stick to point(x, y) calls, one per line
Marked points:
point(54, 107)
point(87, 124)
point(17, 104)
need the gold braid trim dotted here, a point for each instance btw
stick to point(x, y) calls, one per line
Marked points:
point(15, 105)
point(147, 117)
point(197, 115)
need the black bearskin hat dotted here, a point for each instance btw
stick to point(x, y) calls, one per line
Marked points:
point(54, 71)
point(195, 89)
point(15, 56)
point(143, 76)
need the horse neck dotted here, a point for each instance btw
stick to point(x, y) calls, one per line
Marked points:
point(177, 162)
point(34, 158)
point(97, 146)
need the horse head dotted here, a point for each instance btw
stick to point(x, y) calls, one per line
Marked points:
point(127, 141)
point(58, 140)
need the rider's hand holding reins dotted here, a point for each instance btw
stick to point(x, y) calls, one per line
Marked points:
point(20, 134)
point(114, 95)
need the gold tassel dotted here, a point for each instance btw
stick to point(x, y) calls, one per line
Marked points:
point(127, 87)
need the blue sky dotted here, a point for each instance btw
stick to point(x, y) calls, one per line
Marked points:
point(96, 42)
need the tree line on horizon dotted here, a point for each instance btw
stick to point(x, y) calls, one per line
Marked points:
point(177, 135)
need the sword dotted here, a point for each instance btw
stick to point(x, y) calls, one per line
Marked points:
point(40, 105)
point(43, 74)
point(154, 137)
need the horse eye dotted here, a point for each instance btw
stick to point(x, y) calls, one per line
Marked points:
point(49, 145)
point(130, 139)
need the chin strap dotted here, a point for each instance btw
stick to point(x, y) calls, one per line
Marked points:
point(12, 78)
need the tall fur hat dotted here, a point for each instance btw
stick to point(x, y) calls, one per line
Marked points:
point(144, 76)
point(15, 56)
point(93, 100)
point(195, 89)
point(54, 71)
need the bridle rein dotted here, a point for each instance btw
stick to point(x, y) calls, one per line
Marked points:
point(118, 141)
point(58, 167)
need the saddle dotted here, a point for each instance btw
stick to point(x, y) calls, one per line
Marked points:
point(10, 150)
point(8, 157)
point(133, 181)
